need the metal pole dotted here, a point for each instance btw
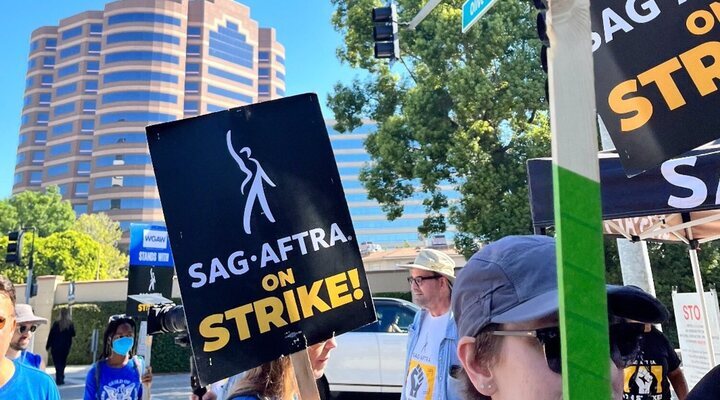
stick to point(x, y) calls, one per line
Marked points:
point(703, 306)
point(28, 281)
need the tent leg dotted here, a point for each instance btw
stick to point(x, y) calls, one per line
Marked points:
point(703, 306)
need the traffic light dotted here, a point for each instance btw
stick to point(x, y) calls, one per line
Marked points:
point(385, 32)
point(542, 7)
point(14, 250)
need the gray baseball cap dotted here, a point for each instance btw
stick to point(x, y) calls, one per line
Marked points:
point(515, 280)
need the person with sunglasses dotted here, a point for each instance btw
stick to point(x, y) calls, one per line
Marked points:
point(432, 337)
point(505, 301)
point(119, 373)
point(18, 380)
point(59, 341)
point(27, 323)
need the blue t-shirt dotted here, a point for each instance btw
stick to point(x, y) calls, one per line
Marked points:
point(114, 383)
point(28, 358)
point(28, 383)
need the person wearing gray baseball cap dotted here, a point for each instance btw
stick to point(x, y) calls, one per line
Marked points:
point(432, 337)
point(27, 323)
point(505, 302)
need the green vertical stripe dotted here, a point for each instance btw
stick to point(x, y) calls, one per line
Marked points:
point(581, 284)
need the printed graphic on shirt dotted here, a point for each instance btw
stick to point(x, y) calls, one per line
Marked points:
point(420, 380)
point(120, 389)
point(643, 382)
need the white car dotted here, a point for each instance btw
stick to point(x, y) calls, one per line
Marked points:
point(372, 358)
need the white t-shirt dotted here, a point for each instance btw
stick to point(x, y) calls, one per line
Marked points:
point(421, 380)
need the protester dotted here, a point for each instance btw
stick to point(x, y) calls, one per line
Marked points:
point(59, 342)
point(27, 323)
point(118, 373)
point(656, 367)
point(708, 388)
point(505, 301)
point(432, 337)
point(274, 380)
point(18, 380)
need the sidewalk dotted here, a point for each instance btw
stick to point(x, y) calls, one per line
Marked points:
point(164, 387)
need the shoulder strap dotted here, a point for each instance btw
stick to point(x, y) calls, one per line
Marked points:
point(97, 379)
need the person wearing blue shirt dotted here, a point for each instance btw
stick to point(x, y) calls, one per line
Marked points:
point(118, 374)
point(17, 380)
point(27, 323)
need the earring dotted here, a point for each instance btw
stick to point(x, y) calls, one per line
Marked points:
point(484, 386)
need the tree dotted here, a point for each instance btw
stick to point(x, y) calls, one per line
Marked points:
point(469, 112)
point(46, 211)
point(107, 233)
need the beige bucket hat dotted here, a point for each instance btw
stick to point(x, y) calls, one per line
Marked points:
point(434, 261)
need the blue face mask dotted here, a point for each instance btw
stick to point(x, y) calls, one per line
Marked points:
point(122, 346)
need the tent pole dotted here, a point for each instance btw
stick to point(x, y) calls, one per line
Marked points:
point(703, 306)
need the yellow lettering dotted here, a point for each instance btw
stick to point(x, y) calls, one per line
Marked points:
point(641, 106)
point(661, 75)
point(311, 299)
point(239, 314)
point(703, 77)
point(338, 290)
point(269, 311)
point(286, 277)
point(211, 327)
point(291, 305)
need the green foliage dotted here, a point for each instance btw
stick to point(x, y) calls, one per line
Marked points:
point(107, 233)
point(468, 113)
point(166, 356)
point(46, 211)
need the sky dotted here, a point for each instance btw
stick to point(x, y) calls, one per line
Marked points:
point(303, 27)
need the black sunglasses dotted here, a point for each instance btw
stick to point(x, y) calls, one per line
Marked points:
point(624, 343)
point(23, 328)
point(420, 279)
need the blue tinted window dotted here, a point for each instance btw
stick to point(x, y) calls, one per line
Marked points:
point(213, 108)
point(63, 189)
point(124, 181)
point(22, 140)
point(32, 63)
point(231, 25)
point(192, 86)
point(65, 90)
point(94, 47)
point(64, 109)
point(40, 137)
point(42, 118)
point(71, 33)
point(191, 106)
point(85, 146)
point(142, 37)
point(60, 149)
point(38, 157)
point(81, 189)
point(82, 168)
point(96, 29)
point(125, 204)
point(136, 116)
point(352, 157)
point(141, 56)
point(279, 92)
point(127, 159)
point(143, 17)
point(68, 70)
point(143, 76)
point(229, 94)
point(20, 158)
point(80, 209)
point(56, 170)
point(46, 80)
point(93, 67)
point(228, 75)
point(27, 100)
point(280, 59)
point(280, 75)
point(70, 51)
point(193, 49)
point(194, 31)
point(45, 99)
point(264, 89)
point(347, 144)
point(50, 44)
point(35, 177)
point(29, 82)
point(25, 119)
point(231, 45)
point(34, 45)
point(192, 67)
point(264, 72)
point(115, 138)
point(62, 129)
point(48, 61)
point(138, 95)
point(264, 55)
point(91, 86)
point(89, 106)
point(87, 125)
point(18, 178)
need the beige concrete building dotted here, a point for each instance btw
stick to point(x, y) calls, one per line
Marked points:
point(98, 78)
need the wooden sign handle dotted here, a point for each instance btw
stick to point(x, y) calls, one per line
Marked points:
point(304, 378)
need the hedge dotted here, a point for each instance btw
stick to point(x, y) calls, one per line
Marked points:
point(166, 355)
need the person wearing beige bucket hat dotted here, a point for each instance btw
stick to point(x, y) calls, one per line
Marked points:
point(27, 323)
point(432, 337)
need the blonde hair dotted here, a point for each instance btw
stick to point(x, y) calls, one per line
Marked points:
point(273, 380)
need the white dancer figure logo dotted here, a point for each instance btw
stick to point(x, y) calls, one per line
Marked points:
point(256, 192)
point(151, 287)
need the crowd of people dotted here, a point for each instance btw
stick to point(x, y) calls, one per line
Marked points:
point(492, 332)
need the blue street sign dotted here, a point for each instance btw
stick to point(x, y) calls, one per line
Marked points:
point(149, 245)
point(472, 10)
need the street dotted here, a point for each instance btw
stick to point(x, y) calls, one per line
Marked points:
point(169, 386)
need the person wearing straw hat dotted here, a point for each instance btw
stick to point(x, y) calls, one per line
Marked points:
point(432, 337)
point(505, 301)
point(27, 323)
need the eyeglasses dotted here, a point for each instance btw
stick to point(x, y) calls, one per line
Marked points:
point(624, 343)
point(419, 280)
point(24, 328)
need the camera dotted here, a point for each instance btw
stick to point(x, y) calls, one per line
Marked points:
point(166, 318)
